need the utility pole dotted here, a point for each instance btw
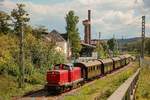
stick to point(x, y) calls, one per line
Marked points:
point(115, 45)
point(99, 38)
point(121, 44)
point(143, 37)
point(99, 44)
point(21, 78)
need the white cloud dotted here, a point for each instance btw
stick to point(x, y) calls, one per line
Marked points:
point(7, 5)
point(108, 16)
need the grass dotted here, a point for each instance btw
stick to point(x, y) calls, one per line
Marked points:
point(143, 89)
point(9, 87)
point(104, 87)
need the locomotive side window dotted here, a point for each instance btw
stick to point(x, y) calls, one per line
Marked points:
point(65, 67)
point(56, 67)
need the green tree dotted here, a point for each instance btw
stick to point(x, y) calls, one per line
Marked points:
point(39, 30)
point(100, 50)
point(134, 46)
point(5, 22)
point(112, 45)
point(147, 47)
point(20, 17)
point(73, 34)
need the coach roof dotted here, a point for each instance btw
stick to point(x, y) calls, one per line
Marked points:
point(90, 63)
point(108, 60)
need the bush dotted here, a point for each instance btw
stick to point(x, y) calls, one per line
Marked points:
point(38, 56)
point(35, 78)
point(8, 63)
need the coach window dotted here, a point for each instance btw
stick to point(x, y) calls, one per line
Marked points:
point(97, 67)
point(89, 69)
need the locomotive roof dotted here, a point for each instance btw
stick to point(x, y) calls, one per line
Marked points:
point(61, 71)
point(67, 64)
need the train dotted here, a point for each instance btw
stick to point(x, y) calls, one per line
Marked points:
point(68, 76)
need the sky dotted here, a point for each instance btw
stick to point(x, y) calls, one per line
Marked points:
point(119, 18)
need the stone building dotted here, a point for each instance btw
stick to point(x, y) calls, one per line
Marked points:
point(61, 42)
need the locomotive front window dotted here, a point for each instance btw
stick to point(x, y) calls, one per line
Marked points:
point(66, 67)
point(57, 67)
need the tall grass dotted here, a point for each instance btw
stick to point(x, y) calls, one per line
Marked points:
point(103, 88)
point(9, 86)
point(143, 89)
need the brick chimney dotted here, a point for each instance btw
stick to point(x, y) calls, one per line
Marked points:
point(89, 18)
point(87, 28)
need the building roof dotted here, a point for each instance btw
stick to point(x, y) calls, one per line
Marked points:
point(64, 35)
point(88, 45)
point(54, 36)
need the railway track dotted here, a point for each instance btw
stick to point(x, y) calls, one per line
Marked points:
point(44, 95)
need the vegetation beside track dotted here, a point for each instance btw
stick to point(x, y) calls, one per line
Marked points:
point(104, 87)
point(9, 87)
point(39, 54)
point(143, 89)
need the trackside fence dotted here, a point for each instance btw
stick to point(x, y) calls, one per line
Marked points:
point(127, 90)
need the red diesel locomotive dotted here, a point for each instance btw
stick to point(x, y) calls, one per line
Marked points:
point(66, 76)
point(63, 76)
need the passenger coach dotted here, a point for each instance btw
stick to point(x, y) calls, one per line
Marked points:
point(116, 63)
point(107, 65)
point(89, 69)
